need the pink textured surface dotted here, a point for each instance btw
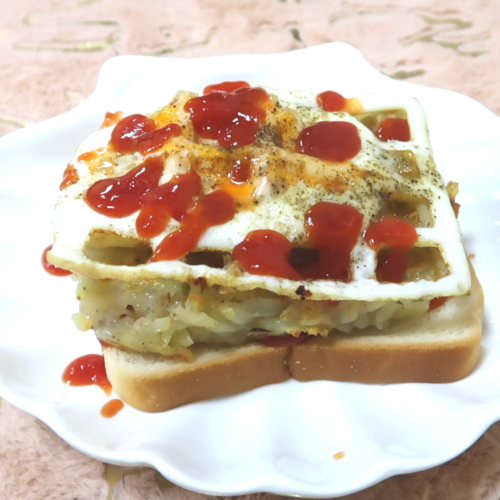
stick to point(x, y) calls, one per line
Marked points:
point(50, 54)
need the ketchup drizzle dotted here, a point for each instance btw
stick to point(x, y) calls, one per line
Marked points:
point(213, 209)
point(172, 199)
point(397, 235)
point(111, 408)
point(231, 118)
point(121, 196)
point(156, 139)
point(392, 267)
point(87, 370)
point(330, 101)
point(225, 87)
point(331, 228)
point(137, 133)
point(393, 129)
point(125, 135)
point(265, 252)
point(336, 141)
point(50, 268)
point(437, 302)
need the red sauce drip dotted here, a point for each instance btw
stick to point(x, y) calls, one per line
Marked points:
point(391, 232)
point(265, 252)
point(333, 225)
point(87, 370)
point(172, 199)
point(225, 87)
point(284, 340)
point(138, 133)
point(330, 141)
point(212, 209)
point(50, 268)
point(398, 235)
point(330, 101)
point(155, 140)
point(437, 302)
point(121, 196)
point(392, 268)
point(125, 135)
point(393, 129)
point(232, 118)
point(111, 119)
point(111, 408)
point(332, 303)
point(333, 230)
point(70, 176)
point(241, 171)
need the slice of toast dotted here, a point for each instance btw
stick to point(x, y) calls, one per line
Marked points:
point(441, 346)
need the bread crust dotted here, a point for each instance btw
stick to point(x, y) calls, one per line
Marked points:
point(151, 383)
point(442, 346)
point(342, 359)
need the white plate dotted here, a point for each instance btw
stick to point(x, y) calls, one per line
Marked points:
point(281, 438)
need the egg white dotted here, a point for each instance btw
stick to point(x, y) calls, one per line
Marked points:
point(284, 212)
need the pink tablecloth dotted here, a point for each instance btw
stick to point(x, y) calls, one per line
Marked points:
point(50, 54)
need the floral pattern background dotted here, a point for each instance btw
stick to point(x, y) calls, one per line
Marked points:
point(50, 55)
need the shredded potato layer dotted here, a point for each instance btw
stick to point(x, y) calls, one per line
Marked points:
point(166, 316)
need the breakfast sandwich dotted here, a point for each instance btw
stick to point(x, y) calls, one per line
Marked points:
point(249, 235)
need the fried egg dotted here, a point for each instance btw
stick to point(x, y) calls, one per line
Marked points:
point(395, 177)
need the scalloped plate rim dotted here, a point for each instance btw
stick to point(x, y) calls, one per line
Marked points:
point(89, 108)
